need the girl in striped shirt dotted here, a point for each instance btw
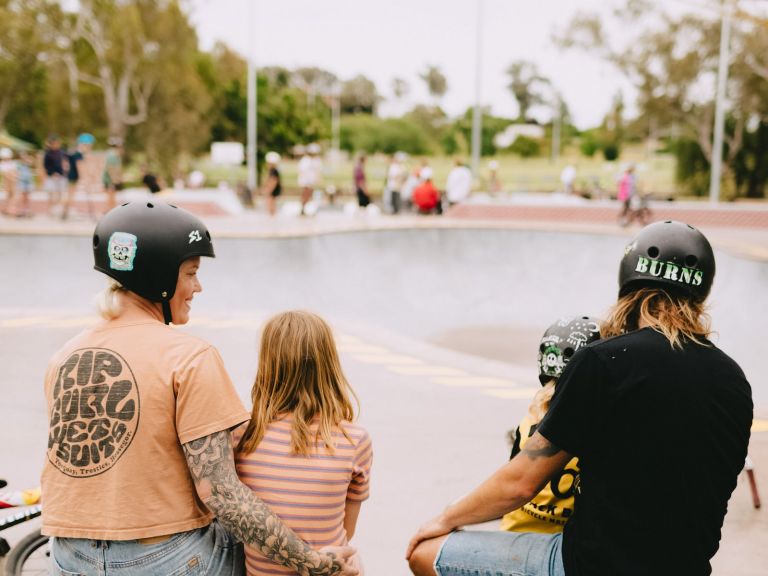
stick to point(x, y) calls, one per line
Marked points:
point(300, 453)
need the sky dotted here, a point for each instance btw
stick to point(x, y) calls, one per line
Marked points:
point(384, 39)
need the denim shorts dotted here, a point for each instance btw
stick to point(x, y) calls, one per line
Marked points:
point(476, 553)
point(210, 550)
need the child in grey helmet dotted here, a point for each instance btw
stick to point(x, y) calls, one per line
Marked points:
point(551, 508)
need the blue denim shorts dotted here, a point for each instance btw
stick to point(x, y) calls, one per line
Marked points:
point(208, 550)
point(476, 553)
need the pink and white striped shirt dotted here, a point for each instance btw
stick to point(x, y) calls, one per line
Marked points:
point(308, 493)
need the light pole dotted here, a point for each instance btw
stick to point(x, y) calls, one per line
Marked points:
point(722, 80)
point(477, 118)
point(556, 123)
point(252, 102)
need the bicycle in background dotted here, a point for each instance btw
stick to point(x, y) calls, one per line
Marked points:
point(31, 554)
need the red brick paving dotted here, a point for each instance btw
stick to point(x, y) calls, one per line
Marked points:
point(725, 216)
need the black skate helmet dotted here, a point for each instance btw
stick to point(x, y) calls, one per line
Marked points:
point(142, 246)
point(669, 254)
point(560, 342)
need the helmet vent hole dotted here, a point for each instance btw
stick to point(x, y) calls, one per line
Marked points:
point(208, 235)
point(95, 240)
point(172, 206)
point(691, 261)
point(653, 252)
point(123, 205)
point(150, 205)
point(568, 352)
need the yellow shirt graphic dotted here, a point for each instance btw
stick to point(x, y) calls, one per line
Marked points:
point(551, 508)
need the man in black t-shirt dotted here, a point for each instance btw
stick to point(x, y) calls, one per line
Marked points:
point(659, 418)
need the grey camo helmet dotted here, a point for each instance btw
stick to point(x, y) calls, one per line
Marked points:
point(561, 341)
point(668, 254)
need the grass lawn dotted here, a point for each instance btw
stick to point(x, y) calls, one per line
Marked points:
point(655, 172)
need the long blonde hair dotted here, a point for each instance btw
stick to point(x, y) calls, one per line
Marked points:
point(299, 372)
point(676, 316)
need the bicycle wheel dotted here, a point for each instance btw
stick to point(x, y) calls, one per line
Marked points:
point(29, 557)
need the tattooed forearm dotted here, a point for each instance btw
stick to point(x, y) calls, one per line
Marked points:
point(539, 447)
point(211, 463)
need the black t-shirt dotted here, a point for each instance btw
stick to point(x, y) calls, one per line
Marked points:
point(73, 175)
point(274, 173)
point(661, 437)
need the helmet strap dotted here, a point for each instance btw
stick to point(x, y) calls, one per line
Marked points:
point(167, 311)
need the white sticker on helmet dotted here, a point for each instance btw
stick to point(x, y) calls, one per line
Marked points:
point(122, 251)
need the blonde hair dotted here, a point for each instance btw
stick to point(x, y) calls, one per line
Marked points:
point(108, 300)
point(675, 315)
point(540, 403)
point(299, 372)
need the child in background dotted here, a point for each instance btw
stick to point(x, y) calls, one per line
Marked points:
point(26, 182)
point(300, 452)
point(551, 508)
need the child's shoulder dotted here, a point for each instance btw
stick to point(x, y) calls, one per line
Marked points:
point(358, 434)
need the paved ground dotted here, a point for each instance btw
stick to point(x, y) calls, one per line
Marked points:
point(440, 382)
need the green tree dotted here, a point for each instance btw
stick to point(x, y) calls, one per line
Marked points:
point(669, 59)
point(528, 87)
point(27, 35)
point(437, 83)
point(359, 96)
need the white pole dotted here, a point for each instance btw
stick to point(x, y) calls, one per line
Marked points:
point(722, 80)
point(252, 103)
point(556, 119)
point(336, 124)
point(477, 118)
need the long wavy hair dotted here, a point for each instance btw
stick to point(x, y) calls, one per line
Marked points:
point(675, 315)
point(299, 373)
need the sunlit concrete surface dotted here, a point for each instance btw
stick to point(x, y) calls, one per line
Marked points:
point(437, 328)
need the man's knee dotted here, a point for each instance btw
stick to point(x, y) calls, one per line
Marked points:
point(422, 560)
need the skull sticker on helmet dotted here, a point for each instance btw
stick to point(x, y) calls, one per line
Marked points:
point(122, 251)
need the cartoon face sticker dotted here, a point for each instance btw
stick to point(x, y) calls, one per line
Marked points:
point(551, 358)
point(122, 251)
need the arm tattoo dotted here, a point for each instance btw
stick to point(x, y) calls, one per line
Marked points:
point(539, 447)
point(212, 465)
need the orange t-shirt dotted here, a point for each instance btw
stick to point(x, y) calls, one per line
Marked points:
point(122, 399)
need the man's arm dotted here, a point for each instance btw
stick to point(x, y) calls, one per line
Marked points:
point(511, 486)
point(211, 463)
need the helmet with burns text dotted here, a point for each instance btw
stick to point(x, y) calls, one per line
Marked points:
point(668, 255)
point(143, 244)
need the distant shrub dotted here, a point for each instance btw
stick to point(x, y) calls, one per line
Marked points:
point(611, 151)
point(525, 147)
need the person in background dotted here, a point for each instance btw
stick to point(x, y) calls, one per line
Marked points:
point(426, 197)
point(396, 175)
point(410, 185)
point(459, 183)
point(310, 171)
point(26, 182)
point(82, 147)
point(494, 184)
point(301, 451)
point(55, 180)
point(9, 175)
point(112, 177)
point(361, 184)
point(272, 187)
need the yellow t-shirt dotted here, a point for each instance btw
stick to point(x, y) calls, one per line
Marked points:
point(551, 508)
point(122, 399)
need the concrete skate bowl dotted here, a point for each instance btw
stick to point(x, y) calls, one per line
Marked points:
point(486, 292)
